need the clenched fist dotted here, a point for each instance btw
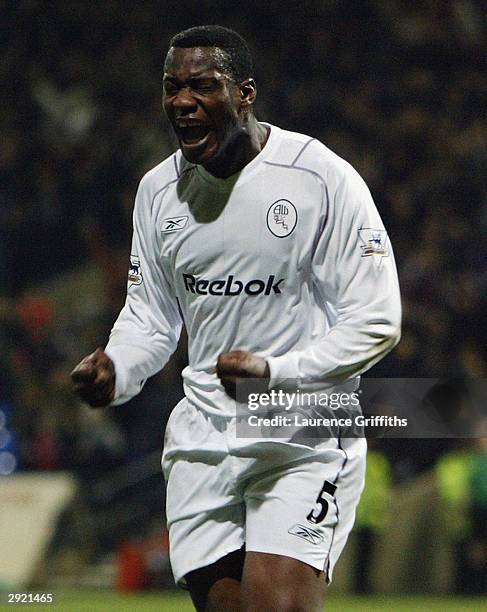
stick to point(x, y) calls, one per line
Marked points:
point(238, 370)
point(94, 379)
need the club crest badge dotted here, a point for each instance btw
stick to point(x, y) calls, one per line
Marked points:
point(135, 274)
point(282, 218)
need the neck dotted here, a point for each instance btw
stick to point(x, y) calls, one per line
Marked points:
point(240, 150)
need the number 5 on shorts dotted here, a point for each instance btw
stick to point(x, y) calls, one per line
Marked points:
point(329, 488)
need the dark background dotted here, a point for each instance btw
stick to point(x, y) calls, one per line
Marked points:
point(397, 88)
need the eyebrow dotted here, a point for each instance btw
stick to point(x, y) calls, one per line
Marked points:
point(198, 73)
point(196, 77)
point(206, 73)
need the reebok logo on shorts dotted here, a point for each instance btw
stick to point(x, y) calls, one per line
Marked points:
point(306, 533)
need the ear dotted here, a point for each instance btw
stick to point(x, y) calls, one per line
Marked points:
point(248, 92)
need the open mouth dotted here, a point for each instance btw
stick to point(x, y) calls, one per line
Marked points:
point(193, 135)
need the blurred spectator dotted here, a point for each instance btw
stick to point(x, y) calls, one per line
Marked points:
point(462, 481)
point(373, 515)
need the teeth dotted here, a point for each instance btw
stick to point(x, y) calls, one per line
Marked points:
point(190, 125)
point(193, 133)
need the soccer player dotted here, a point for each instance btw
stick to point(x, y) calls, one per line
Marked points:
point(269, 248)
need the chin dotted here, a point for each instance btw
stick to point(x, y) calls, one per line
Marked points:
point(197, 157)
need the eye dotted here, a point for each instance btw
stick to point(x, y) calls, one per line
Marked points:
point(204, 86)
point(169, 88)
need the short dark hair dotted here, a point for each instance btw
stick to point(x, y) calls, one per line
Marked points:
point(237, 52)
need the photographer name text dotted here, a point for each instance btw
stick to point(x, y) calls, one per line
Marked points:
point(299, 420)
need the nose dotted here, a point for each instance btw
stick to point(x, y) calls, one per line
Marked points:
point(184, 103)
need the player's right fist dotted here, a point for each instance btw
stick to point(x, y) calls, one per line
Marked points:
point(94, 379)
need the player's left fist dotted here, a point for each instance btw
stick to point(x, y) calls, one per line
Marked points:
point(238, 371)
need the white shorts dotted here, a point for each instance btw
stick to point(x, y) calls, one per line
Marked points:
point(275, 497)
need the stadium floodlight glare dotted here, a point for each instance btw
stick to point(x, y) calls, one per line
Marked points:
point(8, 463)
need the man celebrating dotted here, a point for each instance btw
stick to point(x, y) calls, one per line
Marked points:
point(270, 249)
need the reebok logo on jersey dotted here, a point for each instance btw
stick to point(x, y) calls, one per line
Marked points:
point(173, 224)
point(306, 533)
point(232, 286)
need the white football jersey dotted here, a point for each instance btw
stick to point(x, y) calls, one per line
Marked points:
point(288, 259)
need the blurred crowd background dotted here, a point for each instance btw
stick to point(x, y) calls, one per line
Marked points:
point(398, 88)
